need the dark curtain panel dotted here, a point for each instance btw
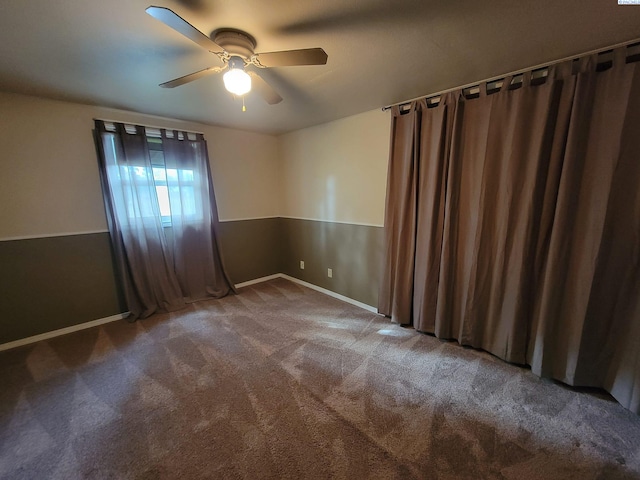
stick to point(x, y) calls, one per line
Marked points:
point(144, 259)
point(155, 274)
point(513, 219)
point(194, 218)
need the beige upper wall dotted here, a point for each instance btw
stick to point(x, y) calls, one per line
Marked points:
point(337, 171)
point(246, 173)
point(49, 182)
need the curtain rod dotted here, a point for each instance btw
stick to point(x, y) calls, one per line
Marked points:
point(147, 126)
point(516, 72)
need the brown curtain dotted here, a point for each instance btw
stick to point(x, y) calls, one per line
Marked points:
point(496, 183)
point(589, 297)
point(433, 133)
point(513, 219)
point(161, 267)
point(415, 207)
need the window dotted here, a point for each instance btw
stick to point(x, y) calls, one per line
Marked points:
point(175, 189)
point(173, 186)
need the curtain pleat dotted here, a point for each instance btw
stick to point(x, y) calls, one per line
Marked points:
point(396, 288)
point(433, 158)
point(513, 223)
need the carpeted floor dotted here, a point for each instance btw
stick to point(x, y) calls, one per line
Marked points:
point(284, 382)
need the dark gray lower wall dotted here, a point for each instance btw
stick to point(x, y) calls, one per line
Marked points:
point(251, 248)
point(55, 282)
point(353, 252)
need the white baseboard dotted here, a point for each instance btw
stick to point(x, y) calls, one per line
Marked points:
point(113, 318)
point(258, 280)
point(312, 287)
point(330, 293)
point(62, 331)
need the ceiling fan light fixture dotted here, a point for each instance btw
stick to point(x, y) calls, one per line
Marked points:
point(236, 80)
point(236, 49)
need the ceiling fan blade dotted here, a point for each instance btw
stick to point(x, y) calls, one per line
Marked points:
point(176, 82)
point(289, 58)
point(265, 90)
point(180, 25)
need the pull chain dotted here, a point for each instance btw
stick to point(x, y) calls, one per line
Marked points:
point(244, 109)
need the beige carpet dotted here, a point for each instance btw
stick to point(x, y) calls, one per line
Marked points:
point(283, 382)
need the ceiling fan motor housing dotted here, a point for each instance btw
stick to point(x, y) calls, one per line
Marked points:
point(235, 42)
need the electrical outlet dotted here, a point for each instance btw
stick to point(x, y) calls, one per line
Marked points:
point(329, 272)
point(301, 264)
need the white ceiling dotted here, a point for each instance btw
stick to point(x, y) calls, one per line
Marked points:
point(111, 53)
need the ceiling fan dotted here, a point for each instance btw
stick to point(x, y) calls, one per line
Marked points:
point(236, 50)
